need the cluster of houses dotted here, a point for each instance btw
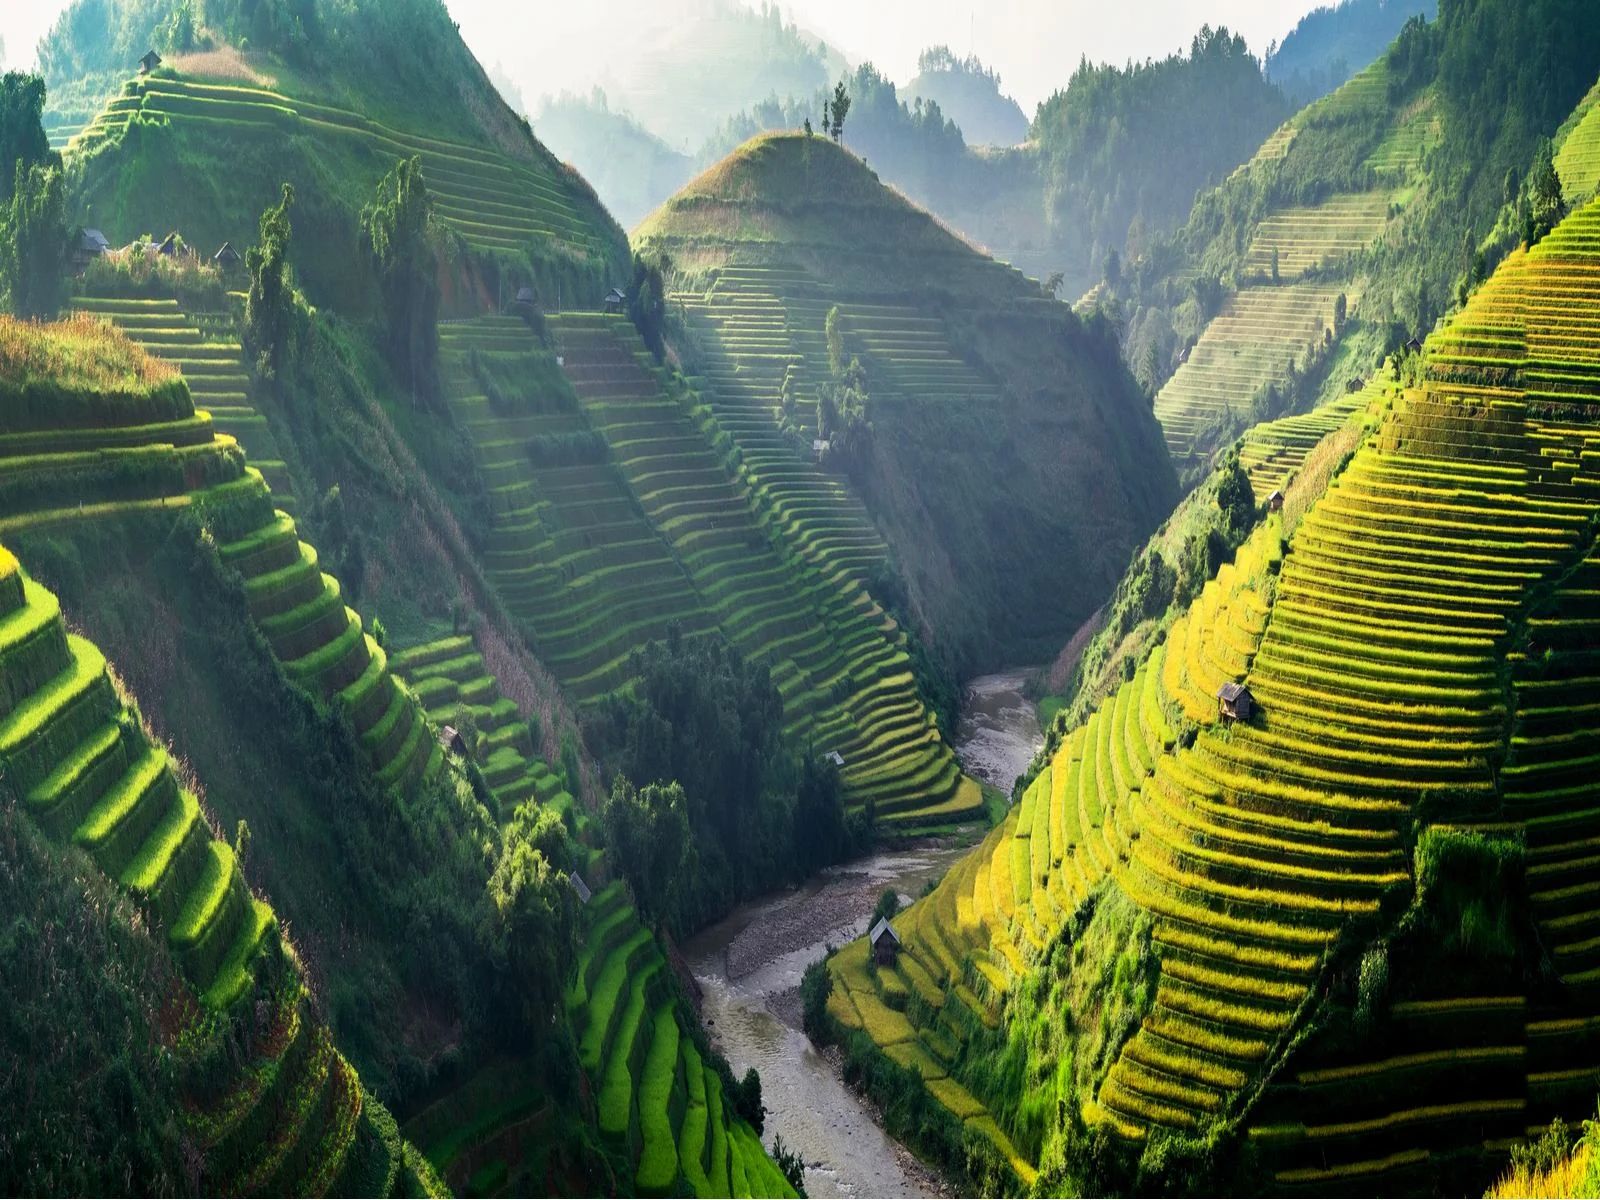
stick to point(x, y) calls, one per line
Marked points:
point(93, 244)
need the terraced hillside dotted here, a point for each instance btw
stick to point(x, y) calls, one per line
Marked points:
point(59, 467)
point(503, 195)
point(291, 1116)
point(614, 520)
point(449, 678)
point(660, 1103)
point(1292, 260)
point(1275, 451)
point(1578, 150)
point(1253, 342)
point(992, 419)
point(1417, 654)
point(212, 364)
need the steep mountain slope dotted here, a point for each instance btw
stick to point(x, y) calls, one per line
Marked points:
point(204, 144)
point(789, 230)
point(1343, 943)
point(1300, 268)
point(616, 520)
point(250, 1076)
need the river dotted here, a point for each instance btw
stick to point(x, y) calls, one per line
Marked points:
point(749, 967)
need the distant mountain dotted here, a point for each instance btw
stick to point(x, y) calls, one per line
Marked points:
point(970, 95)
point(702, 70)
point(631, 168)
point(1331, 44)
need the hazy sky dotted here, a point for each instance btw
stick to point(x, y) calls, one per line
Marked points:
point(555, 45)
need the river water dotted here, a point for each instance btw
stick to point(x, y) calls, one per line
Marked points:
point(749, 967)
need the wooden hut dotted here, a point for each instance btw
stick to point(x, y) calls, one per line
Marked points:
point(149, 62)
point(1236, 702)
point(579, 886)
point(615, 300)
point(885, 943)
point(1275, 502)
point(452, 741)
point(228, 258)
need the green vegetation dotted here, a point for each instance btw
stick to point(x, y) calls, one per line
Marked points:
point(1124, 149)
point(1348, 941)
point(742, 811)
point(969, 94)
point(944, 336)
point(1336, 41)
point(190, 1011)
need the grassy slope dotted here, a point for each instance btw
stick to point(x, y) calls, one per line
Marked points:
point(170, 1036)
point(1295, 943)
point(205, 147)
point(956, 491)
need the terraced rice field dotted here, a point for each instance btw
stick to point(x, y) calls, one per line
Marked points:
point(82, 767)
point(449, 679)
point(1274, 451)
point(1306, 238)
point(758, 341)
point(1250, 344)
point(1578, 156)
point(213, 365)
point(571, 553)
point(659, 1101)
point(323, 647)
point(494, 201)
point(1377, 665)
point(60, 477)
point(600, 557)
point(1415, 131)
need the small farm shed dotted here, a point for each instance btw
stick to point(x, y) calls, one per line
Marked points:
point(1236, 701)
point(91, 244)
point(1355, 385)
point(819, 447)
point(149, 62)
point(450, 738)
point(1414, 346)
point(579, 886)
point(1275, 502)
point(834, 757)
point(227, 258)
point(524, 295)
point(885, 943)
point(169, 246)
point(615, 300)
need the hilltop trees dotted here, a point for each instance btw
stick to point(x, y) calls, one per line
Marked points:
point(399, 228)
point(1122, 142)
point(838, 109)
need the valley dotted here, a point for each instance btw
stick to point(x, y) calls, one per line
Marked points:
point(497, 703)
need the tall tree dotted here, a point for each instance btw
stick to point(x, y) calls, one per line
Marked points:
point(838, 110)
point(269, 303)
point(35, 242)
point(400, 230)
point(22, 136)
